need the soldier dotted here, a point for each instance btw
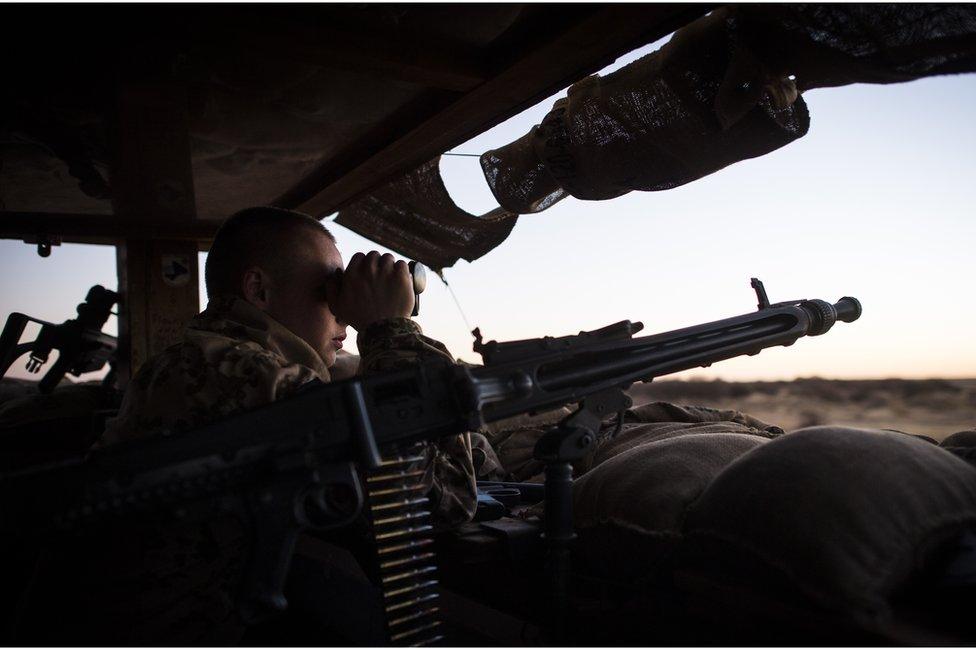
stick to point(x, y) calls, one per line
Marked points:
point(279, 306)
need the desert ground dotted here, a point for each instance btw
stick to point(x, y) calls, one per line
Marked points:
point(931, 407)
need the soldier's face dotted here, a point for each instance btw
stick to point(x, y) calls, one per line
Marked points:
point(296, 298)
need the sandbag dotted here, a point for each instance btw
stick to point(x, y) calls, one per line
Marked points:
point(629, 509)
point(514, 438)
point(845, 517)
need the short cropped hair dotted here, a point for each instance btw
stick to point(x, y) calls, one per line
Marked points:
point(253, 237)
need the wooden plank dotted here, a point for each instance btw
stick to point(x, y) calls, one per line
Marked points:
point(358, 151)
point(382, 53)
point(153, 178)
point(581, 49)
point(153, 182)
point(102, 228)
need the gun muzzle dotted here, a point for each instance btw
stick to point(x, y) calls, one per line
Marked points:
point(848, 309)
point(823, 315)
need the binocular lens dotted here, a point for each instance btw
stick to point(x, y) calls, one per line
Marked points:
point(419, 274)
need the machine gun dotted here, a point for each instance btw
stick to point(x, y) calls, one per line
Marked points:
point(81, 345)
point(292, 465)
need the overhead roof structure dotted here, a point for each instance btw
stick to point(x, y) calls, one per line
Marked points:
point(301, 106)
point(144, 126)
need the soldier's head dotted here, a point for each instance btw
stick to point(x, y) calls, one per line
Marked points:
point(279, 261)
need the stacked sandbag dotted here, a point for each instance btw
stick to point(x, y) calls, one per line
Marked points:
point(822, 524)
point(630, 502)
point(843, 519)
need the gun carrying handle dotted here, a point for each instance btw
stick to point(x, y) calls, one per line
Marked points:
point(13, 329)
point(18, 352)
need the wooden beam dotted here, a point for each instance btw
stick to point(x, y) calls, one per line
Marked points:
point(370, 50)
point(102, 228)
point(153, 179)
point(583, 48)
point(417, 63)
point(358, 151)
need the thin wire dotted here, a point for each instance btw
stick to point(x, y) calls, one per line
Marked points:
point(469, 155)
point(440, 274)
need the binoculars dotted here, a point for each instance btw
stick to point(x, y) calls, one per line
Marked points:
point(418, 273)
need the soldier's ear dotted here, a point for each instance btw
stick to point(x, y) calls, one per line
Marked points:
point(254, 287)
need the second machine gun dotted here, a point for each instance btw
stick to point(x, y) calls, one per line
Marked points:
point(82, 346)
point(292, 465)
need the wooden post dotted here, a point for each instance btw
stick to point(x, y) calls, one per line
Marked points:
point(159, 283)
point(153, 182)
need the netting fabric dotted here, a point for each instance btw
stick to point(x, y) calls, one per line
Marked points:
point(834, 45)
point(724, 89)
point(415, 216)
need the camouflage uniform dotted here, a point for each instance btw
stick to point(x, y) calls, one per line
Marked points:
point(235, 358)
point(175, 584)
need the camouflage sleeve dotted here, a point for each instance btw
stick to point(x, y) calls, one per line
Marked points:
point(666, 412)
point(397, 343)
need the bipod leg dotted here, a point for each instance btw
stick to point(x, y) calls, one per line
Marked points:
point(559, 536)
point(571, 440)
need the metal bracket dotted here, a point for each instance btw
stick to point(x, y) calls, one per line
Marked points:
point(44, 243)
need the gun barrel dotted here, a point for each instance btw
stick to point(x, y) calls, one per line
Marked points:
point(564, 376)
point(666, 353)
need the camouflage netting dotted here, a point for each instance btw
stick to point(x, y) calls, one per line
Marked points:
point(415, 216)
point(724, 89)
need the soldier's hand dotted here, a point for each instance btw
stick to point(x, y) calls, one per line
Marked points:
point(371, 288)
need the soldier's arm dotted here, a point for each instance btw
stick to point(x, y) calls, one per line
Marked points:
point(396, 343)
point(374, 294)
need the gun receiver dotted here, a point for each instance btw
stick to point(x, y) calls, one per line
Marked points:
point(292, 464)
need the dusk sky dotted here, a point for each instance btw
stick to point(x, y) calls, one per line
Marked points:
point(876, 202)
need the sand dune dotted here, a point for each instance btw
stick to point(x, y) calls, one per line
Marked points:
point(932, 407)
